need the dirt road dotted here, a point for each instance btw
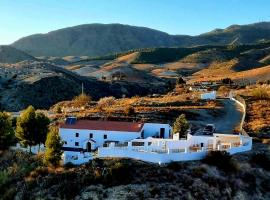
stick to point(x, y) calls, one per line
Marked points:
point(226, 119)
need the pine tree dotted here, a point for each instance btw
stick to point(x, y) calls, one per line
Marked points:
point(42, 128)
point(53, 145)
point(181, 126)
point(6, 131)
point(25, 130)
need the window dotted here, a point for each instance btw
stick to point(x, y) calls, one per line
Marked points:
point(77, 134)
point(76, 144)
point(105, 136)
point(91, 135)
point(137, 144)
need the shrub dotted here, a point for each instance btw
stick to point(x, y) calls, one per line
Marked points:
point(175, 166)
point(261, 159)
point(118, 172)
point(82, 100)
point(4, 177)
point(198, 171)
point(106, 102)
point(129, 111)
point(260, 94)
point(222, 160)
point(58, 109)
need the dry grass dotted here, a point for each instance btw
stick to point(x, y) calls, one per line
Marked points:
point(218, 71)
point(258, 111)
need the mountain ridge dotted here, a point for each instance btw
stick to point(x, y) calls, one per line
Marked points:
point(102, 39)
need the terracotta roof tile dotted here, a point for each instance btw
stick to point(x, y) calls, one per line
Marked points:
point(104, 125)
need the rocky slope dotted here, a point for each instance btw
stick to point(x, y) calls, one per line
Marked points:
point(42, 84)
point(9, 54)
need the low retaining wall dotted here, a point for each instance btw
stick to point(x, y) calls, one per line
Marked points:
point(242, 103)
point(150, 157)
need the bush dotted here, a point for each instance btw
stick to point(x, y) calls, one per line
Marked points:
point(105, 102)
point(82, 100)
point(175, 166)
point(261, 159)
point(129, 111)
point(4, 177)
point(198, 171)
point(222, 160)
point(260, 94)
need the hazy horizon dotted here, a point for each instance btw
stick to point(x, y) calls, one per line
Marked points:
point(23, 18)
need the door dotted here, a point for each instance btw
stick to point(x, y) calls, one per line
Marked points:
point(162, 132)
point(89, 147)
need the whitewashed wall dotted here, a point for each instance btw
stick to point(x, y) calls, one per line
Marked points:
point(69, 135)
point(152, 129)
point(209, 95)
point(76, 158)
point(150, 157)
point(145, 153)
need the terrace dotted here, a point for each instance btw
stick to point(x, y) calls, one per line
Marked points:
point(167, 150)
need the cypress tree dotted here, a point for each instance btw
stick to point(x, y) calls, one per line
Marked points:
point(181, 126)
point(53, 145)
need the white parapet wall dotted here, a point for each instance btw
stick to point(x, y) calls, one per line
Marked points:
point(166, 151)
point(153, 157)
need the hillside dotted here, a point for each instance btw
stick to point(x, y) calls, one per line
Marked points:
point(42, 84)
point(102, 39)
point(93, 39)
point(152, 65)
point(9, 54)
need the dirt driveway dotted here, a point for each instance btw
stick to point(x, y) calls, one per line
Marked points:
point(225, 118)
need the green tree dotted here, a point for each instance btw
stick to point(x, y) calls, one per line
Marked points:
point(6, 131)
point(180, 81)
point(181, 126)
point(25, 130)
point(53, 147)
point(42, 128)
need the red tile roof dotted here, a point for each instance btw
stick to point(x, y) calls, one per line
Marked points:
point(104, 125)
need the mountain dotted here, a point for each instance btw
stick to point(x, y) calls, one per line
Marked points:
point(239, 34)
point(94, 40)
point(9, 54)
point(102, 39)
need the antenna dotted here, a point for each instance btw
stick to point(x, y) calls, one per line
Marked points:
point(82, 89)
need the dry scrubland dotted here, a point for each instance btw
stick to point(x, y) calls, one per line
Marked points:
point(163, 108)
point(258, 109)
point(243, 176)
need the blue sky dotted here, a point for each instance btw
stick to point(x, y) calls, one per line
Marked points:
point(20, 18)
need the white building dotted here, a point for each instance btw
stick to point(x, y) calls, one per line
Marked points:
point(167, 150)
point(82, 136)
point(209, 95)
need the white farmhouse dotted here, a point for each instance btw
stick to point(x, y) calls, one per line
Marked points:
point(209, 95)
point(82, 136)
